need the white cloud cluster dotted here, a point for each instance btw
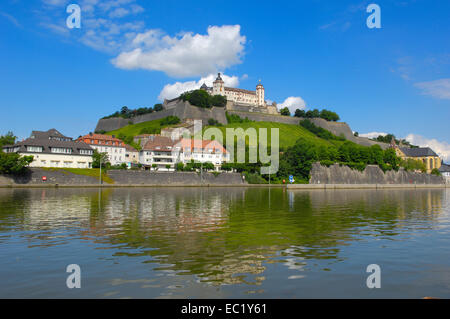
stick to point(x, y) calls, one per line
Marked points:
point(185, 55)
point(293, 103)
point(373, 134)
point(102, 24)
point(439, 89)
point(174, 90)
point(441, 148)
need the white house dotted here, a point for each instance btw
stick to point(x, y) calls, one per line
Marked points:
point(111, 145)
point(201, 151)
point(52, 149)
point(157, 153)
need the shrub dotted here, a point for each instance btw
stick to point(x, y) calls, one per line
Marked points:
point(436, 172)
point(13, 163)
point(169, 120)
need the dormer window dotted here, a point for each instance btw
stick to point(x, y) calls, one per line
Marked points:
point(34, 149)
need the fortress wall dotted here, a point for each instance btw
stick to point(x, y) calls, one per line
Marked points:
point(336, 174)
point(261, 117)
point(182, 110)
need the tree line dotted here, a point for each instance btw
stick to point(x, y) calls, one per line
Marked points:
point(127, 113)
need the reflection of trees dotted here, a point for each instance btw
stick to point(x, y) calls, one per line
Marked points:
point(221, 235)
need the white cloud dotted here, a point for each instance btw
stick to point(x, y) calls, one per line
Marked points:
point(438, 89)
point(103, 28)
point(185, 55)
point(373, 134)
point(118, 13)
point(174, 90)
point(441, 148)
point(293, 103)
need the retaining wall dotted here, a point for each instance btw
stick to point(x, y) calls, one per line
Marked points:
point(336, 174)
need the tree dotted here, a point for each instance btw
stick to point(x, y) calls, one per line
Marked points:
point(124, 110)
point(158, 107)
point(179, 167)
point(7, 139)
point(329, 115)
point(208, 166)
point(13, 163)
point(436, 172)
point(299, 113)
point(98, 157)
point(154, 166)
point(218, 100)
point(312, 113)
point(285, 111)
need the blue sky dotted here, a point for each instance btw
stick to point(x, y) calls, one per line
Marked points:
point(312, 54)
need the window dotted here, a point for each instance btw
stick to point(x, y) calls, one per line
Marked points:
point(61, 150)
point(37, 149)
point(85, 152)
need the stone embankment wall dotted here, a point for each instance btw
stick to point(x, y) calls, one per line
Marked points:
point(122, 177)
point(336, 174)
point(170, 178)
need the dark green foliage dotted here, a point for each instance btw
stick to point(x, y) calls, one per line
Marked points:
point(436, 172)
point(179, 167)
point(319, 131)
point(98, 157)
point(213, 122)
point(298, 159)
point(127, 113)
point(312, 113)
point(13, 163)
point(149, 130)
point(413, 165)
point(170, 120)
point(285, 111)
point(203, 99)
point(329, 115)
point(218, 100)
point(233, 118)
point(388, 138)
point(299, 113)
point(7, 139)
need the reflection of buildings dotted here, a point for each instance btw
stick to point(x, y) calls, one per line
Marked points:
point(220, 235)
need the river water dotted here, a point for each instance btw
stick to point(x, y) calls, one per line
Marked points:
point(224, 242)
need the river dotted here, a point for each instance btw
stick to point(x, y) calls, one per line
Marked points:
point(232, 242)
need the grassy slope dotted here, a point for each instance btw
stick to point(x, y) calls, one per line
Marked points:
point(135, 129)
point(289, 133)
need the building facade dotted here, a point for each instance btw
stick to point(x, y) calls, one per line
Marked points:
point(242, 97)
point(157, 153)
point(445, 171)
point(424, 154)
point(201, 151)
point(53, 149)
point(110, 145)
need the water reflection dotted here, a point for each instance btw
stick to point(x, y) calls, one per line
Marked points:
point(221, 236)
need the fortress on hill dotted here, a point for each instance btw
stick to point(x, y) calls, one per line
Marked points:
point(240, 102)
point(237, 99)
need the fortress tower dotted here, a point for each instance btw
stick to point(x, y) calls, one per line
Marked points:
point(218, 86)
point(260, 94)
